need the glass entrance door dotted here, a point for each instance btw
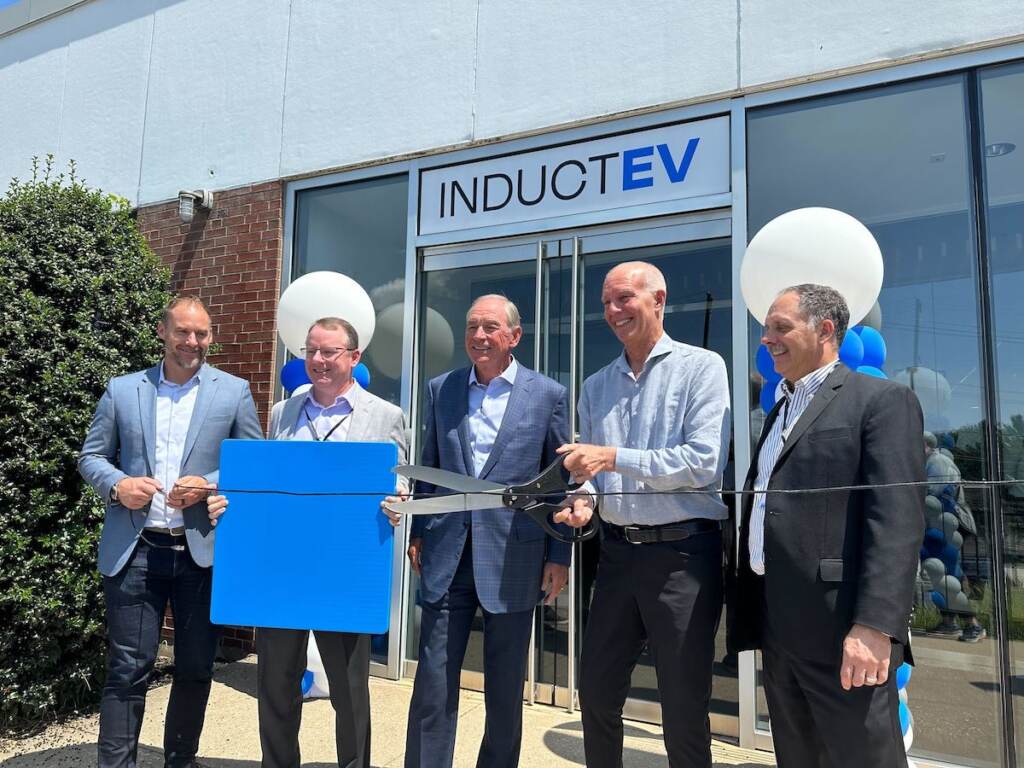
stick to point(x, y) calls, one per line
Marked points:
point(556, 284)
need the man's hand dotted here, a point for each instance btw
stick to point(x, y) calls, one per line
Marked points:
point(393, 517)
point(577, 515)
point(556, 576)
point(865, 657)
point(215, 506)
point(189, 490)
point(415, 553)
point(136, 492)
point(584, 461)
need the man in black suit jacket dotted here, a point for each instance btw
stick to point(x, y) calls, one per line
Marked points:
point(825, 580)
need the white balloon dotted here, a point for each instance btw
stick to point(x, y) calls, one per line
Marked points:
point(321, 688)
point(873, 319)
point(386, 353)
point(933, 511)
point(302, 388)
point(323, 294)
point(950, 524)
point(960, 603)
point(949, 588)
point(812, 245)
point(932, 388)
point(957, 540)
point(935, 570)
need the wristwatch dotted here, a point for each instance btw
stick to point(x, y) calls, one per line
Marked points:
point(113, 493)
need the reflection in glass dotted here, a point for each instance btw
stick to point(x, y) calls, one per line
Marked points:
point(898, 159)
point(1002, 105)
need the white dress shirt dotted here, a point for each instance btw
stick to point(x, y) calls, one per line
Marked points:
point(487, 404)
point(174, 406)
point(798, 396)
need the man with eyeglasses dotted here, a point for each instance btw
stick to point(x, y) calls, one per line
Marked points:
point(153, 453)
point(336, 408)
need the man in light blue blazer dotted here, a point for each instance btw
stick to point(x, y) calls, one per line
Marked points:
point(500, 421)
point(153, 453)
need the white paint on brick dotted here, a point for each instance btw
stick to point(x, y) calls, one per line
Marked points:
point(150, 96)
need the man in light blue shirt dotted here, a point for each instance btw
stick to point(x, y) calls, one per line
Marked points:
point(653, 421)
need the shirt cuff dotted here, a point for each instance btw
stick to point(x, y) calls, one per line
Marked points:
point(628, 461)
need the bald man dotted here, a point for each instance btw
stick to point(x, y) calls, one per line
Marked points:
point(655, 419)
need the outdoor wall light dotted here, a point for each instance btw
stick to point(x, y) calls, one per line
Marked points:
point(187, 202)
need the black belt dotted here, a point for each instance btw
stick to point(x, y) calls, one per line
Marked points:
point(652, 534)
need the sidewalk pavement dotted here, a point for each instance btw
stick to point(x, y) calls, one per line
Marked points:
point(551, 736)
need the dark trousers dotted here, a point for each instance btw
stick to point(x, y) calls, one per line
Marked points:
point(444, 634)
point(136, 599)
point(282, 662)
point(669, 596)
point(816, 724)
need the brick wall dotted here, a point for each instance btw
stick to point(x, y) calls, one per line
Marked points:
point(231, 258)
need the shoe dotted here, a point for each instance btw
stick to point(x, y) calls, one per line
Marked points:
point(973, 633)
point(947, 629)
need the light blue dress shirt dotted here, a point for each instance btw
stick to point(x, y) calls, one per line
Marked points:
point(670, 426)
point(174, 406)
point(487, 404)
point(330, 420)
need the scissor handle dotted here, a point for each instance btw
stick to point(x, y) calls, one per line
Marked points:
point(550, 482)
point(542, 513)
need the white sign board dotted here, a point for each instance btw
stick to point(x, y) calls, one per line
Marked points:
point(672, 162)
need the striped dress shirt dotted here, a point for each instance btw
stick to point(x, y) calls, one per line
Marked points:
point(797, 397)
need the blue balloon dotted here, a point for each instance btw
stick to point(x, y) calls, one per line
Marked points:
point(362, 374)
point(307, 682)
point(904, 718)
point(870, 370)
point(924, 553)
point(934, 541)
point(939, 600)
point(852, 351)
point(903, 676)
point(858, 328)
point(768, 396)
point(950, 557)
point(874, 347)
point(958, 573)
point(293, 375)
point(766, 365)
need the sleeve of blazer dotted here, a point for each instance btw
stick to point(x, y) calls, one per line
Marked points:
point(558, 435)
point(893, 518)
point(428, 456)
point(398, 435)
point(96, 461)
point(246, 425)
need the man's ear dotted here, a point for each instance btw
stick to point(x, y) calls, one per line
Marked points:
point(827, 329)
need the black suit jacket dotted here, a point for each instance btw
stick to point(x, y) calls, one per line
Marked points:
point(837, 558)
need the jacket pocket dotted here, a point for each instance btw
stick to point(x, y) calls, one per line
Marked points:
point(835, 433)
point(832, 569)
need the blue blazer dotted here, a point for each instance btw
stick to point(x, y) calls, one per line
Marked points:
point(509, 548)
point(121, 443)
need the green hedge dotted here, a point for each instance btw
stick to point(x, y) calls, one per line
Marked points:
point(80, 293)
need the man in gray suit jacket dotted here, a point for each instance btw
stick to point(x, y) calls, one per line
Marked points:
point(152, 453)
point(336, 408)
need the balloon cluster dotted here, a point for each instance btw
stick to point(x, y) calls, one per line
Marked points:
point(940, 555)
point(862, 350)
point(906, 718)
point(293, 376)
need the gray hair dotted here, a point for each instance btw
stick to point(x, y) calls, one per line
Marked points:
point(511, 310)
point(820, 302)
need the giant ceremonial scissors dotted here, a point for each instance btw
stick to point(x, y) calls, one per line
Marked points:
point(472, 493)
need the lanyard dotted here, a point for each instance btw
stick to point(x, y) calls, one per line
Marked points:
point(312, 426)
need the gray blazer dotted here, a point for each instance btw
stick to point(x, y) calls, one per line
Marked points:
point(121, 443)
point(373, 420)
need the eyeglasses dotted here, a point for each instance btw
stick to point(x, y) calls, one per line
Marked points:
point(327, 353)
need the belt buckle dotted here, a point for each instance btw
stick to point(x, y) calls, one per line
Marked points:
point(627, 529)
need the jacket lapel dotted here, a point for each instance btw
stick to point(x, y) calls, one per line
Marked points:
point(147, 412)
point(517, 400)
point(207, 391)
point(361, 415)
point(824, 396)
point(289, 419)
point(461, 415)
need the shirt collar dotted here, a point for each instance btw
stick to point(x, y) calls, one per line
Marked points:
point(661, 347)
point(811, 381)
point(349, 397)
point(164, 380)
point(509, 374)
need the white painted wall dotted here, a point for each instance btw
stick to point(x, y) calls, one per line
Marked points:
point(151, 96)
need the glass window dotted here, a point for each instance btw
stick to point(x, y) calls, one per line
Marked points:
point(358, 229)
point(1002, 104)
point(898, 159)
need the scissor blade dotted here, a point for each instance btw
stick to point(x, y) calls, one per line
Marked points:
point(458, 502)
point(442, 478)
